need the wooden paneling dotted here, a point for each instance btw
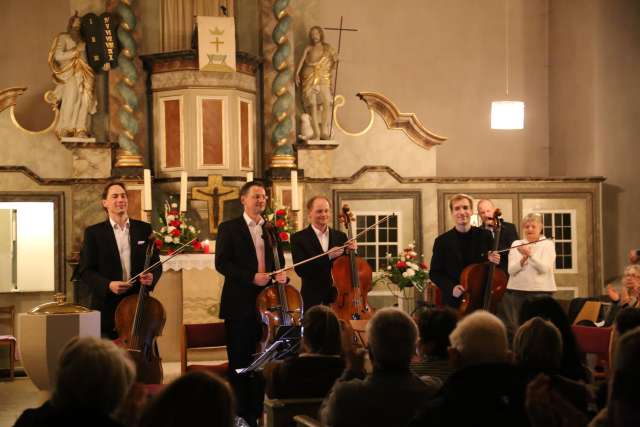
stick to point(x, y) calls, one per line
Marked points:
point(212, 132)
point(244, 135)
point(172, 133)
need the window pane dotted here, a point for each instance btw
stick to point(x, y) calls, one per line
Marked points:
point(370, 220)
point(370, 252)
point(384, 223)
point(371, 235)
point(566, 248)
point(567, 233)
point(393, 235)
point(382, 236)
point(360, 221)
point(559, 262)
point(393, 221)
point(393, 250)
point(546, 219)
point(567, 262)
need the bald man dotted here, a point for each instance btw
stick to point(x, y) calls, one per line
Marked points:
point(508, 235)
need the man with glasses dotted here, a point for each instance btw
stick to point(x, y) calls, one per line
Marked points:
point(245, 259)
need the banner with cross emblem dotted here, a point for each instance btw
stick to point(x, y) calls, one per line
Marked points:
point(216, 43)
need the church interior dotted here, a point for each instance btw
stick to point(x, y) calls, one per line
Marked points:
point(185, 101)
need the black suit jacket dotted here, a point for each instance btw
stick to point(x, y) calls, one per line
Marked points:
point(508, 235)
point(236, 260)
point(316, 275)
point(447, 263)
point(100, 264)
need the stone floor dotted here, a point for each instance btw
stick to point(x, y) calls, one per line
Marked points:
point(20, 394)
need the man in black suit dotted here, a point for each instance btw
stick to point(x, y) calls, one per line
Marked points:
point(114, 251)
point(508, 234)
point(457, 248)
point(245, 259)
point(317, 238)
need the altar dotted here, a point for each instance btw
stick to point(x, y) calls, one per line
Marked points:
point(190, 290)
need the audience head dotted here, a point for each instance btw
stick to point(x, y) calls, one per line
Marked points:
point(197, 398)
point(631, 279)
point(93, 375)
point(627, 319)
point(435, 325)
point(538, 346)
point(392, 336)
point(549, 309)
point(479, 338)
point(321, 331)
point(624, 399)
point(486, 209)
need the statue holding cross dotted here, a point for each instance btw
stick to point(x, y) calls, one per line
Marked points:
point(319, 60)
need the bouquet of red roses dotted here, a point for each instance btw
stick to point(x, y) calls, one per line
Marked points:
point(175, 230)
point(280, 221)
point(406, 270)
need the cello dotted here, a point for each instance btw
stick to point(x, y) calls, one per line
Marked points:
point(139, 321)
point(279, 304)
point(352, 277)
point(484, 283)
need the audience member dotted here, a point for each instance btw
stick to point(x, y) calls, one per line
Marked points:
point(628, 295)
point(485, 389)
point(390, 395)
point(198, 398)
point(312, 372)
point(548, 408)
point(634, 256)
point(623, 407)
point(537, 349)
point(573, 366)
point(92, 380)
point(434, 327)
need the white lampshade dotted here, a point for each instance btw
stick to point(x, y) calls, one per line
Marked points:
point(507, 115)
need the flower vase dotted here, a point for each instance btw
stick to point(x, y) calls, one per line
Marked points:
point(407, 299)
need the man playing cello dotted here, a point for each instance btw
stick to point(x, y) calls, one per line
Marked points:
point(457, 248)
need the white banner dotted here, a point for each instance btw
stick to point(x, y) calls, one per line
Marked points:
point(216, 43)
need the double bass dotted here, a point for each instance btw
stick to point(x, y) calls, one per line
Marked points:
point(279, 304)
point(139, 321)
point(352, 278)
point(484, 283)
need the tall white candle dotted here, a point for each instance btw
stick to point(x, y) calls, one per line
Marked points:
point(183, 191)
point(295, 203)
point(249, 176)
point(147, 190)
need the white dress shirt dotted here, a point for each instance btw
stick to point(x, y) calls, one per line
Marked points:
point(258, 242)
point(322, 237)
point(124, 247)
point(537, 272)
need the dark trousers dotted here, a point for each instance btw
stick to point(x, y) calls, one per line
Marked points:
point(242, 339)
point(509, 309)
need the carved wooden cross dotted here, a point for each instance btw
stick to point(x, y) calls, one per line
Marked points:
point(215, 194)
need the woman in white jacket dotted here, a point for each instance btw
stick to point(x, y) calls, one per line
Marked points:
point(531, 270)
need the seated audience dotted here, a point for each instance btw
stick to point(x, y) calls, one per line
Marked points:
point(312, 372)
point(434, 327)
point(390, 395)
point(485, 389)
point(92, 380)
point(573, 360)
point(547, 407)
point(198, 398)
point(623, 408)
point(537, 348)
point(628, 295)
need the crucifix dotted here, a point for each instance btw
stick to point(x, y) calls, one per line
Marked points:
point(215, 194)
point(340, 29)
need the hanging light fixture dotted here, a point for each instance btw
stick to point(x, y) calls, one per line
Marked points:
point(507, 114)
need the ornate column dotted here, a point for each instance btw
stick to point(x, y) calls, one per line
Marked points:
point(127, 91)
point(277, 49)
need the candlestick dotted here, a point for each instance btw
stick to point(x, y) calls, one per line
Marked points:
point(295, 203)
point(183, 191)
point(147, 190)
